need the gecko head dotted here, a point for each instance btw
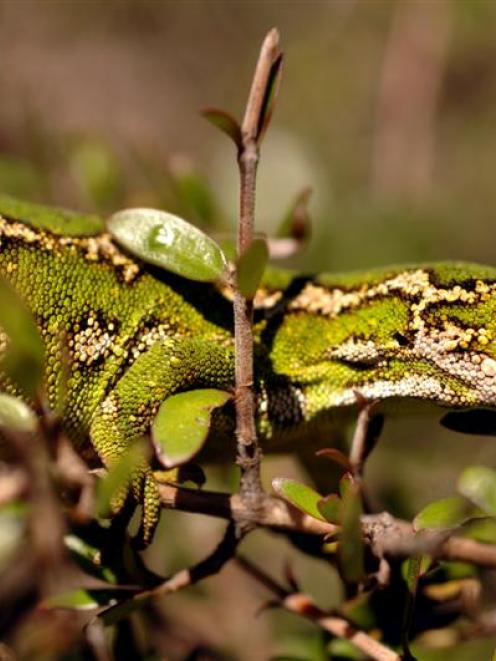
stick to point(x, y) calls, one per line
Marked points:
point(403, 337)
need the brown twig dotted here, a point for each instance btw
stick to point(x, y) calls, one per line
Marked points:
point(212, 564)
point(248, 449)
point(184, 578)
point(387, 536)
point(303, 605)
point(364, 437)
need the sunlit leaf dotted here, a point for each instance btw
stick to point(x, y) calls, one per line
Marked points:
point(182, 424)
point(88, 557)
point(478, 484)
point(226, 123)
point(445, 591)
point(300, 495)
point(482, 530)
point(351, 547)
point(84, 599)
point(445, 513)
point(23, 361)
point(330, 508)
point(456, 570)
point(118, 476)
point(56, 220)
point(170, 242)
point(16, 415)
point(250, 267)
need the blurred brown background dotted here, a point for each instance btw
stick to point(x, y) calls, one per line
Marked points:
point(388, 109)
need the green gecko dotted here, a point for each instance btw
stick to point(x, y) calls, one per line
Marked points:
point(121, 336)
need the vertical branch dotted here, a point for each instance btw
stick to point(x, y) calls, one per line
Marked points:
point(254, 121)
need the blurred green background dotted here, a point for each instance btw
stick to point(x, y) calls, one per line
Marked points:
point(387, 109)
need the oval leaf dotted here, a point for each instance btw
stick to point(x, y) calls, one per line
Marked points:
point(16, 415)
point(168, 241)
point(351, 548)
point(478, 484)
point(182, 424)
point(23, 361)
point(88, 558)
point(226, 123)
point(445, 513)
point(330, 508)
point(55, 220)
point(250, 267)
point(300, 495)
point(85, 599)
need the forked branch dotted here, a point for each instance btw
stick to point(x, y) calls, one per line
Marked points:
point(256, 117)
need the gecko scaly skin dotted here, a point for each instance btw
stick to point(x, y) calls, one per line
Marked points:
point(121, 336)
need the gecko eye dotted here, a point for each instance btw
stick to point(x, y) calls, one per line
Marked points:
point(401, 339)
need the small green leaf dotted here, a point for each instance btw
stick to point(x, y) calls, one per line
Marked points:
point(250, 267)
point(84, 599)
point(344, 484)
point(478, 484)
point(118, 477)
point(300, 495)
point(182, 424)
point(16, 415)
point(170, 242)
point(23, 361)
point(55, 220)
point(88, 557)
point(411, 569)
point(351, 548)
point(445, 513)
point(226, 123)
point(482, 530)
point(330, 507)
